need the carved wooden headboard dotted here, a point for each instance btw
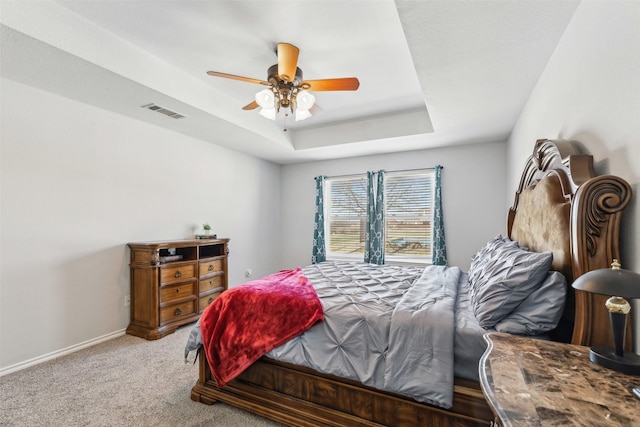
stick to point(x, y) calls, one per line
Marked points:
point(563, 207)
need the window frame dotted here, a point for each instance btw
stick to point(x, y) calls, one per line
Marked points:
point(411, 259)
point(419, 260)
point(340, 256)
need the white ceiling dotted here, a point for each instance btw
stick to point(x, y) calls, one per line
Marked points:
point(431, 73)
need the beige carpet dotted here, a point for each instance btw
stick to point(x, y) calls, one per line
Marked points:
point(126, 381)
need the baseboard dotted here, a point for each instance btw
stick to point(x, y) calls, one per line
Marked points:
point(59, 353)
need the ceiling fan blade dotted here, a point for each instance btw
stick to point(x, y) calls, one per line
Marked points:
point(287, 61)
point(251, 106)
point(347, 83)
point(234, 77)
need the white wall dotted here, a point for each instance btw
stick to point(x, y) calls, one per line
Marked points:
point(473, 196)
point(78, 183)
point(590, 92)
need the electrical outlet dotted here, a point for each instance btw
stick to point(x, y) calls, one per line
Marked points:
point(127, 300)
point(248, 272)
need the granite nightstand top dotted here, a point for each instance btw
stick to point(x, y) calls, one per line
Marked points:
point(531, 382)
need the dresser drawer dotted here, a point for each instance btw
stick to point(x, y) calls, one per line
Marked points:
point(177, 292)
point(208, 267)
point(208, 299)
point(177, 273)
point(177, 311)
point(210, 283)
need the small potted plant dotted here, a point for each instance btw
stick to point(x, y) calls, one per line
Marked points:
point(207, 228)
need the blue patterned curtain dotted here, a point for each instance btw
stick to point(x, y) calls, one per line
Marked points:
point(319, 253)
point(374, 239)
point(379, 225)
point(439, 250)
point(371, 214)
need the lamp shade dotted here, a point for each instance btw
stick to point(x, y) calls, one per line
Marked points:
point(618, 284)
point(610, 281)
point(265, 99)
point(305, 100)
point(269, 113)
point(302, 114)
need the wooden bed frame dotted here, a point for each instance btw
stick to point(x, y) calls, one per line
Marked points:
point(299, 396)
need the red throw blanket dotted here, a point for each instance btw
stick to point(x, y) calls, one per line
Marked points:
point(247, 321)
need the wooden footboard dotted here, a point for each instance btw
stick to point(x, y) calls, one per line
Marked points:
point(299, 396)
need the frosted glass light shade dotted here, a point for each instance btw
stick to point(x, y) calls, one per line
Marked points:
point(305, 100)
point(302, 114)
point(265, 98)
point(269, 113)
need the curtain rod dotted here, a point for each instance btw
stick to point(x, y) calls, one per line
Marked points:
point(364, 173)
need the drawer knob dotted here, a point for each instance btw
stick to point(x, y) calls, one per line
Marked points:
point(178, 311)
point(210, 267)
point(210, 300)
point(177, 291)
point(178, 273)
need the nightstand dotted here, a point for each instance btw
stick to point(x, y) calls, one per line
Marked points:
point(533, 382)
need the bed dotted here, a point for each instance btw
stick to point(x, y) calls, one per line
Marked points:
point(561, 209)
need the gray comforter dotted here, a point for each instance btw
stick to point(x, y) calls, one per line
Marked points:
point(388, 327)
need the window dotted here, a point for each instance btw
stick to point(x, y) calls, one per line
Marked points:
point(408, 210)
point(346, 204)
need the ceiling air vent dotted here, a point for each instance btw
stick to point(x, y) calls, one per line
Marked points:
point(163, 110)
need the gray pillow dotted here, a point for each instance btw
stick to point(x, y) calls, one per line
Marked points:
point(485, 257)
point(541, 311)
point(503, 279)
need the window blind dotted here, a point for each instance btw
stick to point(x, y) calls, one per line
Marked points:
point(408, 210)
point(347, 209)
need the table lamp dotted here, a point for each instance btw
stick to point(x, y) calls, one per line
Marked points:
point(622, 284)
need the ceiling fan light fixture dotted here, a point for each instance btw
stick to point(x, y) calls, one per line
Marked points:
point(269, 113)
point(302, 114)
point(288, 92)
point(305, 100)
point(265, 99)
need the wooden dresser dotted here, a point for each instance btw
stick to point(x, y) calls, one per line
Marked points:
point(172, 282)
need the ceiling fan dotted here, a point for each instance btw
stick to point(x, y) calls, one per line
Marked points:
point(286, 89)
